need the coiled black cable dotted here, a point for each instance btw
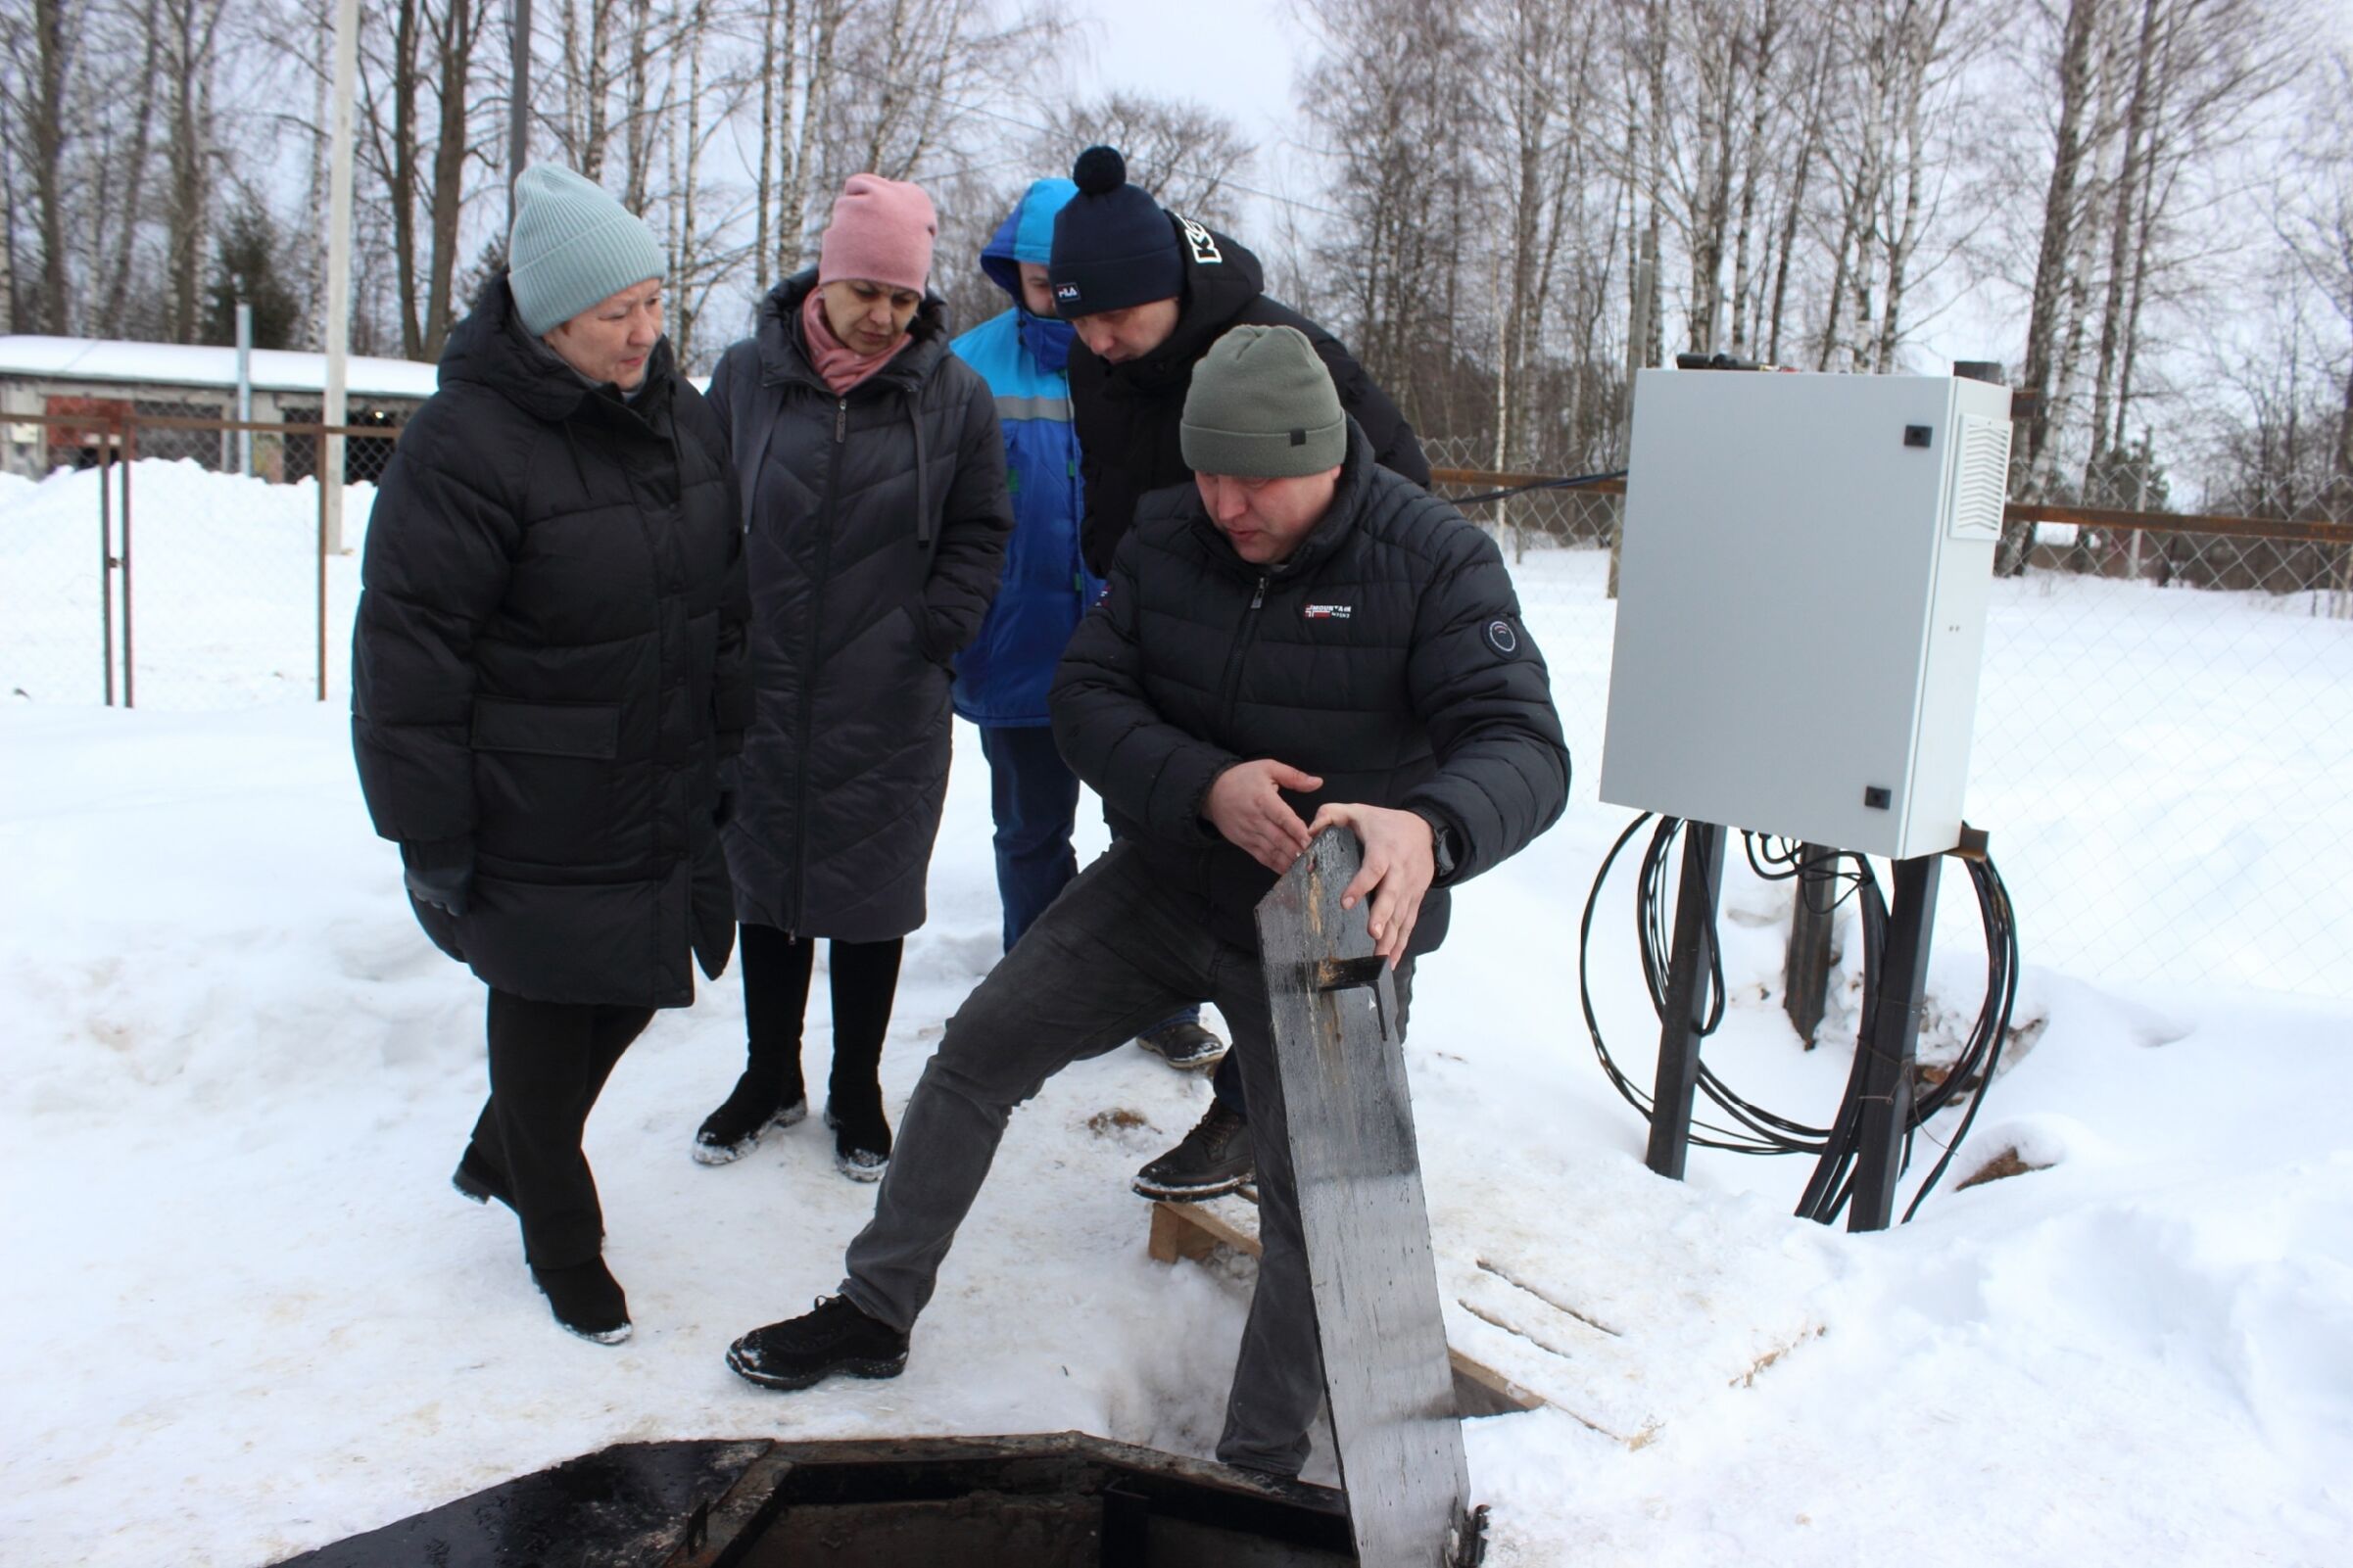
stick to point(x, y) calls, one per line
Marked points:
point(1825, 885)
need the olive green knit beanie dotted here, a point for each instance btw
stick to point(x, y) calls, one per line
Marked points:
point(1261, 406)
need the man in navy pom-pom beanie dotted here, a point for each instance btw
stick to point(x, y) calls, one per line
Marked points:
point(1149, 293)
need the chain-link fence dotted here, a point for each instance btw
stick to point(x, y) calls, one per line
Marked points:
point(2164, 743)
point(2163, 752)
point(168, 561)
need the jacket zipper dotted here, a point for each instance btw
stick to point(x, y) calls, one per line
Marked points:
point(1243, 637)
point(808, 674)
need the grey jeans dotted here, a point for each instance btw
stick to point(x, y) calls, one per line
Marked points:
point(1112, 954)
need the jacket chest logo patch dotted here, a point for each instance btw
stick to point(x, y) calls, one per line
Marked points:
point(1502, 637)
point(1204, 244)
point(1327, 612)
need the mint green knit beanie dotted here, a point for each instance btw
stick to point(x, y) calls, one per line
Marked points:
point(573, 245)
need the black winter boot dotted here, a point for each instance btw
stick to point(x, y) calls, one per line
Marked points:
point(587, 1300)
point(1185, 1046)
point(1212, 1159)
point(834, 1338)
point(757, 1103)
point(861, 1140)
point(475, 1178)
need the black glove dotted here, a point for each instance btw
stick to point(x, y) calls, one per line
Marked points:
point(439, 873)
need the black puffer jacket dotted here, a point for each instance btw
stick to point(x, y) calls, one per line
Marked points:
point(549, 661)
point(1127, 415)
point(1386, 656)
point(877, 534)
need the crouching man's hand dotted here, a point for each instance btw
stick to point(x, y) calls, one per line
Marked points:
point(1245, 805)
point(1398, 868)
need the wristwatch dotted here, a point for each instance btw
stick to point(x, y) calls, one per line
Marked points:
point(1443, 856)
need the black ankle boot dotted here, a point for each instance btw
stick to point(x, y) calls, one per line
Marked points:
point(587, 1300)
point(757, 1103)
point(861, 1138)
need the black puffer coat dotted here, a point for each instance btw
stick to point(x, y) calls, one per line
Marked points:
point(1386, 655)
point(549, 661)
point(1127, 415)
point(877, 534)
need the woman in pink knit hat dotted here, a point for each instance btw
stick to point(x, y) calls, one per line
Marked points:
point(873, 486)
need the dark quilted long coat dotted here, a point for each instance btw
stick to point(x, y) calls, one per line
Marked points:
point(547, 667)
point(876, 534)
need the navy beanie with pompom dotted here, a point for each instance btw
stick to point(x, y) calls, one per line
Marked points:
point(1114, 246)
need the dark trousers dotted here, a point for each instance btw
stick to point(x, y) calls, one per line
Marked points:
point(776, 968)
point(1033, 797)
point(547, 1063)
point(1111, 956)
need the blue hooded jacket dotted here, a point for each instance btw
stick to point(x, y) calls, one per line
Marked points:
point(1002, 677)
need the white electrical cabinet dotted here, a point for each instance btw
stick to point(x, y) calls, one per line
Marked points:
point(1801, 602)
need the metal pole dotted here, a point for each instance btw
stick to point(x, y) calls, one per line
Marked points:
point(130, 460)
point(1805, 962)
point(106, 550)
point(518, 100)
point(1893, 1042)
point(1688, 969)
point(322, 589)
point(245, 387)
point(339, 264)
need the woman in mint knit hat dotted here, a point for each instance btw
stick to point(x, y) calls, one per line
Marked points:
point(548, 667)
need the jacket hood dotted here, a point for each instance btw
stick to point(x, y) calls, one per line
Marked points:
point(1221, 278)
point(490, 348)
point(785, 357)
point(1026, 235)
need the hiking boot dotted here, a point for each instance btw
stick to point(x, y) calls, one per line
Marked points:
point(861, 1143)
point(1213, 1160)
point(587, 1300)
point(729, 1133)
point(834, 1338)
point(1185, 1045)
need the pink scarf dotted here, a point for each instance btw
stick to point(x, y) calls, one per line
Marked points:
point(836, 364)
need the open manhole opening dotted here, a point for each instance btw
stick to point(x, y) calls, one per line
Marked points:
point(935, 1503)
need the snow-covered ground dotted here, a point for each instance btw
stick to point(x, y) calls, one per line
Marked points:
point(246, 1316)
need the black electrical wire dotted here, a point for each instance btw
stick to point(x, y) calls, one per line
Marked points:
point(1826, 881)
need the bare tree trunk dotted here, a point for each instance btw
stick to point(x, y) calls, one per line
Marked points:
point(118, 279)
point(2120, 247)
point(1808, 148)
point(2051, 266)
point(461, 32)
point(638, 130)
point(54, 54)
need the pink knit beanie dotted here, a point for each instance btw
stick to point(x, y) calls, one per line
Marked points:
point(881, 231)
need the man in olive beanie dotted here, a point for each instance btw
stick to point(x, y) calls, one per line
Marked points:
point(1301, 640)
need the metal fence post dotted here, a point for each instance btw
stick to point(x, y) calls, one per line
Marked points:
point(130, 460)
point(106, 552)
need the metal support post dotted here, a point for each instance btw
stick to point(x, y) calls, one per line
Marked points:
point(106, 552)
point(245, 387)
point(130, 460)
point(1805, 966)
point(1891, 1042)
point(1690, 963)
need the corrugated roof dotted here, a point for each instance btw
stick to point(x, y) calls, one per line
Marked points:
point(175, 364)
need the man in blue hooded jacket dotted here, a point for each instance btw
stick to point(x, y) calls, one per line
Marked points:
point(1002, 677)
